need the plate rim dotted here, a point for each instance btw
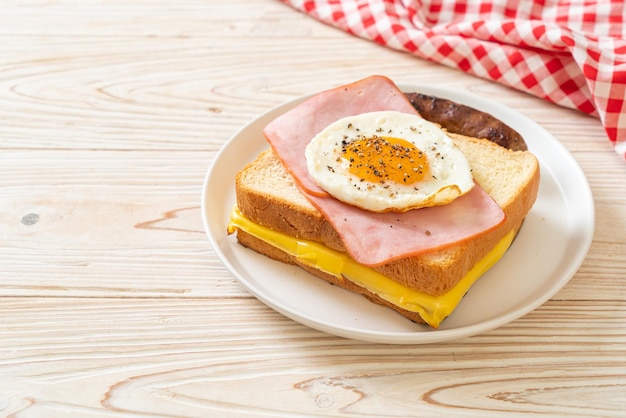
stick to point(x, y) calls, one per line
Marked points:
point(512, 118)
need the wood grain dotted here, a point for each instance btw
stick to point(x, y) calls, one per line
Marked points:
point(151, 356)
point(112, 301)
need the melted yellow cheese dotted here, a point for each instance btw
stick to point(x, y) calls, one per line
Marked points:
point(432, 309)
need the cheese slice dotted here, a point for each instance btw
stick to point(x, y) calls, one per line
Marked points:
point(432, 309)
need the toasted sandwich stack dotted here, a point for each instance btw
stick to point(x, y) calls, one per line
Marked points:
point(286, 218)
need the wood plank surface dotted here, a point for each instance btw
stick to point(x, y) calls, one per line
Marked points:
point(114, 303)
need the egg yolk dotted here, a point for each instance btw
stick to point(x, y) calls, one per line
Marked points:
point(380, 159)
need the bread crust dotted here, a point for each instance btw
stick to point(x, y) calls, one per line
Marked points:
point(465, 120)
point(267, 195)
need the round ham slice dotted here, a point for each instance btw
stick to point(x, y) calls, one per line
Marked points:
point(370, 238)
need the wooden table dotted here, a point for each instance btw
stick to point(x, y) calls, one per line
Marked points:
point(112, 300)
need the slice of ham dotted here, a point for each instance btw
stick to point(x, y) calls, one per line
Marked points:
point(373, 239)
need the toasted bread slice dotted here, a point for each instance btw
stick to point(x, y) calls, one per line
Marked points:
point(267, 195)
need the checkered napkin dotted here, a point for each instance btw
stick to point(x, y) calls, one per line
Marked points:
point(570, 52)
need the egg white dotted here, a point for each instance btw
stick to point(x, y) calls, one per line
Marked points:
point(450, 174)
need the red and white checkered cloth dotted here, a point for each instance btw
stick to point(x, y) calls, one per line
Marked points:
point(571, 52)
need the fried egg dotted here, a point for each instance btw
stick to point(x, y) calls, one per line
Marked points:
point(388, 162)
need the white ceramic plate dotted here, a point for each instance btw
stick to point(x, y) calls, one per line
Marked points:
point(548, 251)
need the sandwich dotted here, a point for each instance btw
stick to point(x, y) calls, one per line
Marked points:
point(360, 189)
